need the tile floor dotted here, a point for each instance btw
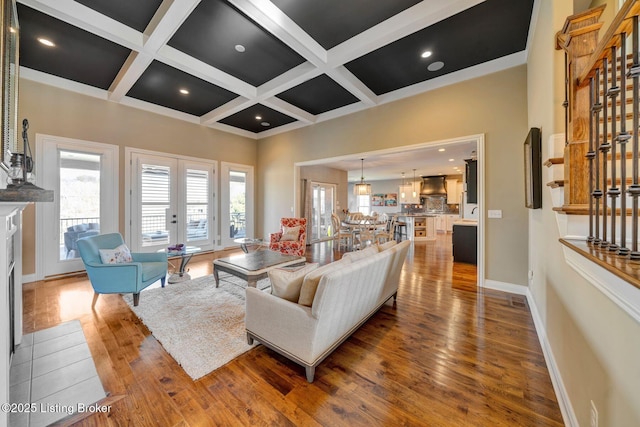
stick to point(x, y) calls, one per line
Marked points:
point(53, 371)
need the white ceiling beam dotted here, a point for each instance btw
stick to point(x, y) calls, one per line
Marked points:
point(267, 15)
point(159, 109)
point(129, 74)
point(59, 82)
point(347, 80)
point(206, 72)
point(287, 80)
point(89, 20)
point(290, 110)
point(407, 22)
point(234, 106)
point(166, 21)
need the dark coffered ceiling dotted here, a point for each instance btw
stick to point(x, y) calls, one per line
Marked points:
point(260, 67)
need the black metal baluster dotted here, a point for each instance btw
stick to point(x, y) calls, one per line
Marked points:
point(565, 104)
point(623, 138)
point(634, 188)
point(614, 191)
point(591, 154)
point(604, 149)
point(597, 192)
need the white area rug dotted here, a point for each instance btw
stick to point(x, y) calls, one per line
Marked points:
point(201, 326)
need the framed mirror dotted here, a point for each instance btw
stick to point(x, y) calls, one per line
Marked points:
point(9, 75)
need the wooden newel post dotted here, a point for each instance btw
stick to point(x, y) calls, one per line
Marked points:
point(578, 38)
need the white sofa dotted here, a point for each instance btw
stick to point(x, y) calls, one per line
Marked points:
point(348, 293)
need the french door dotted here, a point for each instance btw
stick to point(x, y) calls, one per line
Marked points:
point(237, 207)
point(323, 204)
point(84, 177)
point(172, 201)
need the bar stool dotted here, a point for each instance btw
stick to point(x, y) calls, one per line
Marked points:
point(400, 228)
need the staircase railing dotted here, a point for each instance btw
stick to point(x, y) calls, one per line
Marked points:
point(601, 156)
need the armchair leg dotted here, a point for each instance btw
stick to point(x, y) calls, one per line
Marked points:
point(95, 299)
point(136, 299)
point(163, 280)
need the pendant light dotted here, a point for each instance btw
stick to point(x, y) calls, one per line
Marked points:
point(362, 189)
point(413, 185)
point(403, 194)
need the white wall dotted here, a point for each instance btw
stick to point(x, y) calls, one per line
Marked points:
point(594, 344)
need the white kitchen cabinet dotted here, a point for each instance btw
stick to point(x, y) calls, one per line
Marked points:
point(451, 218)
point(441, 223)
point(454, 188)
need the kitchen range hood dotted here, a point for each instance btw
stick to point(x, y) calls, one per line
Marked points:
point(433, 186)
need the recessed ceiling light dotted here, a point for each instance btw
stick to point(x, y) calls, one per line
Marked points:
point(240, 48)
point(46, 42)
point(426, 54)
point(265, 124)
point(451, 160)
point(184, 91)
point(435, 66)
point(258, 117)
point(441, 149)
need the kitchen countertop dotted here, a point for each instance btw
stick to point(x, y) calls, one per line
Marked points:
point(466, 222)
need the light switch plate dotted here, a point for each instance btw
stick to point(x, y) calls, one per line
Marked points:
point(494, 213)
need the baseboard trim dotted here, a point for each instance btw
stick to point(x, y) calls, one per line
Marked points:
point(568, 414)
point(505, 287)
point(28, 278)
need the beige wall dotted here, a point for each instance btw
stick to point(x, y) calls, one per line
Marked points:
point(595, 344)
point(494, 105)
point(63, 113)
point(327, 175)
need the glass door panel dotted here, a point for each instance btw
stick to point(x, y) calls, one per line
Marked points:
point(197, 205)
point(237, 204)
point(322, 207)
point(79, 209)
point(155, 201)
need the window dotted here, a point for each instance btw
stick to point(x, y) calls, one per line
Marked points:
point(364, 204)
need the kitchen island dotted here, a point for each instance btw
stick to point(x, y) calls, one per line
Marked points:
point(419, 226)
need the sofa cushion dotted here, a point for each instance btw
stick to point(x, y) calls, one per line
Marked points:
point(290, 234)
point(358, 255)
point(387, 245)
point(81, 227)
point(287, 282)
point(312, 279)
point(119, 255)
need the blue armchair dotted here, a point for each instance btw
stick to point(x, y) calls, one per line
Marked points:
point(145, 269)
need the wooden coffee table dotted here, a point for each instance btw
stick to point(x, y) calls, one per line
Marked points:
point(254, 266)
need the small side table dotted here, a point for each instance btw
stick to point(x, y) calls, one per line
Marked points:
point(246, 242)
point(185, 256)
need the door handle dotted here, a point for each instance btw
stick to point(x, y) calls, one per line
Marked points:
point(174, 222)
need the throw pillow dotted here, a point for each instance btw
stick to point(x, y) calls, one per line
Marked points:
point(387, 245)
point(290, 234)
point(358, 255)
point(286, 282)
point(311, 281)
point(119, 255)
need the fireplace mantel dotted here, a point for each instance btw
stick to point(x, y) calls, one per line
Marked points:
point(10, 300)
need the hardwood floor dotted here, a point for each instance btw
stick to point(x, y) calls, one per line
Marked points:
point(443, 355)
